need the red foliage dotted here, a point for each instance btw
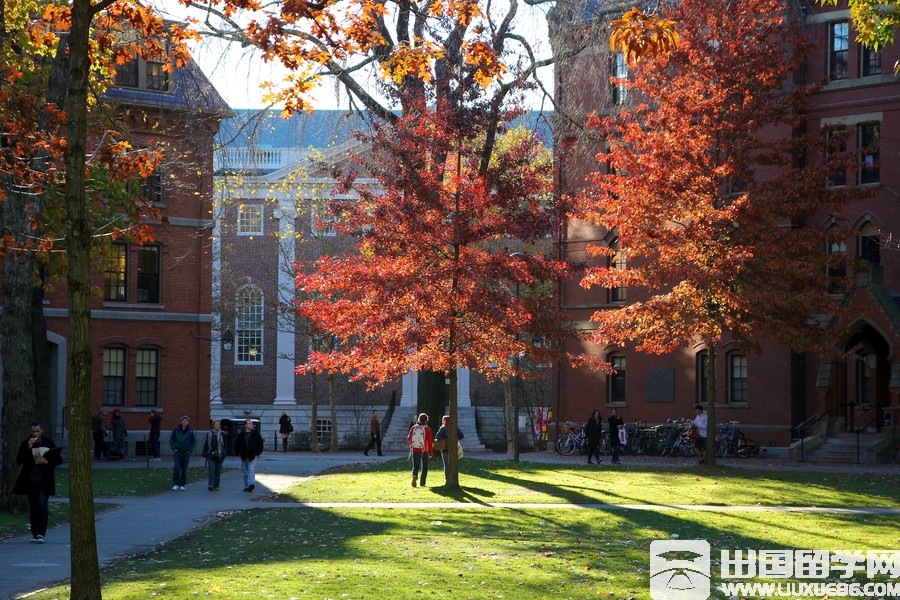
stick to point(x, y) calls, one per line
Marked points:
point(433, 285)
point(717, 201)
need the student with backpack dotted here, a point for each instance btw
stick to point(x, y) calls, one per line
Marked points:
point(421, 441)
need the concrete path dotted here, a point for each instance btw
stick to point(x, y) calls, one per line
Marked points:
point(142, 524)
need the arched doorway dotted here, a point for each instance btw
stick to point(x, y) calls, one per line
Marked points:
point(865, 386)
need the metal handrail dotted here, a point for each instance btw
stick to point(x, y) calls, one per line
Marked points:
point(859, 430)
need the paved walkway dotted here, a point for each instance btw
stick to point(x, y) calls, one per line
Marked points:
point(140, 524)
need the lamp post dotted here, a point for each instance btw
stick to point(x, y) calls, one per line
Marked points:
point(516, 379)
point(227, 339)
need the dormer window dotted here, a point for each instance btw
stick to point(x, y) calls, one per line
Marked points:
point(140, 74)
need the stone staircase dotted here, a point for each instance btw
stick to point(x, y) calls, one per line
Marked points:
point(394, 439)
point(841, 448)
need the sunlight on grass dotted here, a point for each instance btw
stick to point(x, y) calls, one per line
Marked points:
point(499, 481)
point(467, 553)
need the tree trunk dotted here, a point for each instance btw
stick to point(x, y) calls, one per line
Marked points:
point(510, 417)
point(332, 397)
point(19, 407)
point(314, 414)
point(453, 438)
point(710, 458)
point(84, 564)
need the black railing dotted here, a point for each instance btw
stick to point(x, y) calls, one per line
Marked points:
point(859, 430)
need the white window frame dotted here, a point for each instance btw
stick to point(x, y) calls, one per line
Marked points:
point(250, 219)
point(249, 326)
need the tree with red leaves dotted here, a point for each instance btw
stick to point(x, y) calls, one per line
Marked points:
point(718, 199)
point(432, 284)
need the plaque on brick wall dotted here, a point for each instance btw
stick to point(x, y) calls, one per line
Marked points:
point(660, 385)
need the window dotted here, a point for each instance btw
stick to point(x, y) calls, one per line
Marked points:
point(737, 377)
point(157, 78)
point(836, 268)
point(617, 262)
point(322, 223)
point(249, 326)
point(620, 73)
point(144, 75)
point(127, 75)
point(868, 135)
point(114, 376)
point(114, 276)
point(616, 381)
point(151, 188)
point(870, 61)
point(837, 144)
point(702, 380)
point(869, 244)
point(148, 274)
point(323, 429)
point(250, 219)
point(839, 43)
point(146, 390)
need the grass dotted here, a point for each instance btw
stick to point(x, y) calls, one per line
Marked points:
point(15, 525)
point(505, 481)
point(107, 483)
point(467, 553)
point(481, 552)
point(129, 482)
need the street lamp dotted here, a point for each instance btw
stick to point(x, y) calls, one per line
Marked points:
point(227, 339)
point(517, 256)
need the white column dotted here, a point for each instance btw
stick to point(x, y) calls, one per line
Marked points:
point(284, 341)
point(409, 394)
point(463, 399)
point(215, 354)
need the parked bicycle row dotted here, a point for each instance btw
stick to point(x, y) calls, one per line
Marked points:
point(675, 437)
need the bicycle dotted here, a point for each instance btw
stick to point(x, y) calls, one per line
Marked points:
point(730, 441)
point(572, 440)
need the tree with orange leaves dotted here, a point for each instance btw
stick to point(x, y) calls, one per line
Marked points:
point(53, 54)
point(718, 203)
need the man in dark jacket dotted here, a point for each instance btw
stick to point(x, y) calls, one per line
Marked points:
point(182, 442)
point(248, 445)
point(38, 456)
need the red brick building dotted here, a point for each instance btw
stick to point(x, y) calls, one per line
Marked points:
point(151, 317)
point(773, 392)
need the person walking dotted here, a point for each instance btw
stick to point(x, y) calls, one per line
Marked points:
point(98, 432)
point(614, 423)
point(442, 441)
point(155, 420)
point(38, 456)
point(421, 442)
point(592, 429)
point(182, 442)
point(214, 453)
point(285, 428)
point(248, 445)
point(375, 431)
point(700, 425)
point(119, 431)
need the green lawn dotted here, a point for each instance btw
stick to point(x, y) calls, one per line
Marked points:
point(483, 552)
point(107, 482)
point(505, 481)
point(468, 553)
point(14, 525)
point(129, 482)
